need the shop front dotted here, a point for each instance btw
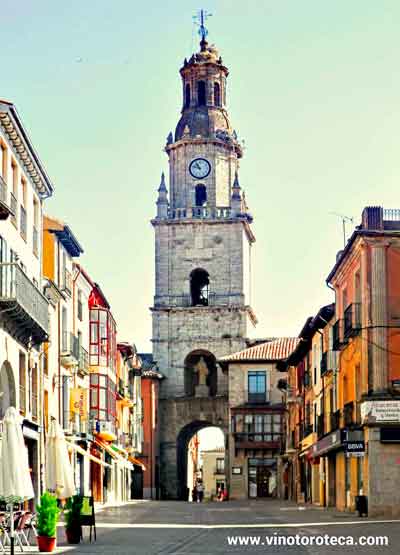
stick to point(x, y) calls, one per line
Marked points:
point(262, 477)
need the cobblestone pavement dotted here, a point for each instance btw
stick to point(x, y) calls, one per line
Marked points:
point(162, 527)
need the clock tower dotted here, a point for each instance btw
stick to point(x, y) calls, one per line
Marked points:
point(203, 242)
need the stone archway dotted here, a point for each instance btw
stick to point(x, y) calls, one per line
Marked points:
point(7, 388)
point(180, 419)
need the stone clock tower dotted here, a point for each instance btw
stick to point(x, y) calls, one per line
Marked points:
point(202, 259)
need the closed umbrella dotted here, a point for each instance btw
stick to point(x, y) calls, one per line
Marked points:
point(59, 471)
point(15, 479)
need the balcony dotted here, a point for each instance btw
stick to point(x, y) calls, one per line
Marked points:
point(352, 320)
point(83, 362)
point(218, 470)
point(5, 210)
point(69, 354)
point(338, 335)
point(200, 212)
point(13, 206)
point(26, 313)
point(335, 420)
point(66, 284)
point(22, 222)
point(258, 441)
point(35, 241)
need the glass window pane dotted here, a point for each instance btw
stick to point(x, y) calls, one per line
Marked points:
point(94, 397)
point(103, 381)
point(94, 379)
point(94, 333)
point(103, 399)
point(94, 315)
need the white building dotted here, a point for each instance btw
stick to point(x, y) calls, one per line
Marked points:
point(24, 321)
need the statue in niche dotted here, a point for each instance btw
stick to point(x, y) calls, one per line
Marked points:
point(201, 369)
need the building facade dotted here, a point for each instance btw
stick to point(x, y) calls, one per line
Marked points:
point(257, 418)
point(203, 245)
point(213, 471)
point(24, 320)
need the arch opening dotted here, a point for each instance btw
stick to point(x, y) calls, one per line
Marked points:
point(199, 287)
point(194, 376)
point(200, 194)
point(198, 444)
point(201, 93)
point(187, 96)
point(7, 388)
point(217, 94)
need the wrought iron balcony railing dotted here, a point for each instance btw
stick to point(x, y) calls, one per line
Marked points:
point(22, 222)
point(69, 346)
point(265, 438)
point(338, 335)
point(13, 206)
point(83, 363)
point(352, 320)
point(27, 315)
point(35, 240)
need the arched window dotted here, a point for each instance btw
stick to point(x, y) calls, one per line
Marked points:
point(187, 96)
point(200, 195)
point(201, 93)
point(217, 94)
point(199, 287)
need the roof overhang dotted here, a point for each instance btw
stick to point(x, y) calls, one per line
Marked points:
point(18, 136)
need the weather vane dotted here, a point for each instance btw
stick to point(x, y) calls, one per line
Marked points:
point(200, 19)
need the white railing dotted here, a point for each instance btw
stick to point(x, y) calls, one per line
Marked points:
point(391, 214)
point(200, 212)
point(15, 286)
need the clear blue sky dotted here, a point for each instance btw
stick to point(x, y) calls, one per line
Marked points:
point(314, 89)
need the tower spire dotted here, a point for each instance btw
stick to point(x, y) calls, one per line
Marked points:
point(200, 19)
point(162, 200)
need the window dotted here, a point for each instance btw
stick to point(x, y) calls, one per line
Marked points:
point(217, 94)
point(34, 390)
point(199, 287)
point(64, 329)
point(80, 305)
point(187, 96)
point(257, 387)
point(35, 236)
point(103, 347)
point(23, 224)
point(258, 427)
point(220, 466)
point(102, 397)
point(201, 93)
point(22, 382)
point(3, 161)
point(200, 195)
point(14, 193)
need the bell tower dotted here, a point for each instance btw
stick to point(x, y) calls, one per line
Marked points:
point(203, 243)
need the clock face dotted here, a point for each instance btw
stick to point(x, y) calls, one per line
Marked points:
point(199, 168)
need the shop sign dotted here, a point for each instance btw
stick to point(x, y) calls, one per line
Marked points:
point(354, 447)
point(78, 402)
point(380, 411)
point(237, 470)
point(327, 443)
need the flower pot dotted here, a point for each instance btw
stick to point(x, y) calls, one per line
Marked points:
point(46, 544)
point(73, 534)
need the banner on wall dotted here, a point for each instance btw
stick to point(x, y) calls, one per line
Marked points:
point(78, 402)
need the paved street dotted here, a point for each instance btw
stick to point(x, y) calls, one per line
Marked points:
point(187, 528)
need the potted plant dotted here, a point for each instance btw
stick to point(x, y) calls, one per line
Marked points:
point(72, 514)
point(47, 517)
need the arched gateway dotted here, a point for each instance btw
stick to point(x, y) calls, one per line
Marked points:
point(202, 266)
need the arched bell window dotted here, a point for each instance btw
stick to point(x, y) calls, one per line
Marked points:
point(200, 195)
point(187, 96)
point(217, 94)
point(199, 287)
point(201, 93)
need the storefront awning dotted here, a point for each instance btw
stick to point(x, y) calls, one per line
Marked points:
point(85, 453)
point(137, 462)
point(113, 453)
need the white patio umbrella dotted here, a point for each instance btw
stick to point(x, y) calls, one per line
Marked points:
point(59, 471)
point(15, 479)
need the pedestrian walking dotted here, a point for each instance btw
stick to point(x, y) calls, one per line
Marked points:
point(200, 492)
point(194, 494)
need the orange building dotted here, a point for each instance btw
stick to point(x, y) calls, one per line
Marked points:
point(150, 456)
point(366, 280)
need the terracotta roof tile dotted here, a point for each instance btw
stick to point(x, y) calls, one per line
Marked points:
point(276, 349)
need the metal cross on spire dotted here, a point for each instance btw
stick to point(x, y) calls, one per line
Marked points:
point(200, 19)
